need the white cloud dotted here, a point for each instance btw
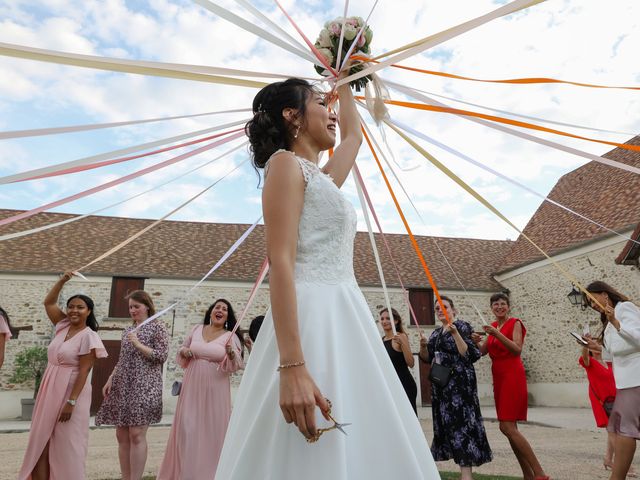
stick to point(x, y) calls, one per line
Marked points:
point(584, 41)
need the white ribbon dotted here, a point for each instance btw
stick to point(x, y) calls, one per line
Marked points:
point(251, 28)
point(49, 226)
point(223, 259)
point(443, 36)
point(468, 159)
point(95, 126)
point(376, 255)
point(18, 177)
point(541, 141)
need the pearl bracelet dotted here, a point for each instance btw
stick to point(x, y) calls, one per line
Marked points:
point(290, 365)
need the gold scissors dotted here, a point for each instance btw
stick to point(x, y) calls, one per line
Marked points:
point(336, 426)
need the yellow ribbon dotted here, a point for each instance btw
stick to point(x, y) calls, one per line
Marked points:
point(116, 65)
point(488, 205)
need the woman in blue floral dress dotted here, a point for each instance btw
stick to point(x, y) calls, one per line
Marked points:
point(458, 429)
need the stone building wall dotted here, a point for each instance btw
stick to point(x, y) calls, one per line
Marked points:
point(539, 298)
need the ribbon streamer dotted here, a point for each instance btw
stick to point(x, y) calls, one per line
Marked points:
point(126, 159)
point(488, 205)
point(521, 81)
point(376, 255)
point(528, 117)
point(223, 259)
point(96, 126)
point(261, 275)
point(94, 159)
point(433, 40)
point(508, 121)
point(49, 226)
point(435, 241)
point(254, 29)
point(129, 66)
point(313, 48)
point(118, 181)
point(486, 168)
point(526, 136)
point(416, 247)
point(386, 244)
point(138, 234)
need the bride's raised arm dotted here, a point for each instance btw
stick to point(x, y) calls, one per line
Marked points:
point(344, 156)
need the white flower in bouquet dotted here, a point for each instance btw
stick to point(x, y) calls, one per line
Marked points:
point(350, 31)
point(324, 39)
point(327, 53)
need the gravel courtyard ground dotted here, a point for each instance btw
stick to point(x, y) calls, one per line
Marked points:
point(569, 450)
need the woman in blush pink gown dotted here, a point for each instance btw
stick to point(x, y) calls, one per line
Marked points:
point(209, 355)
point(5, 333)
point(59, 434)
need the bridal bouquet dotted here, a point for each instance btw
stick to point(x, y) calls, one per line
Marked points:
point(328, 43)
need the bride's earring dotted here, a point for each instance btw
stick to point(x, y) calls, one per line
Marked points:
point(297, 131)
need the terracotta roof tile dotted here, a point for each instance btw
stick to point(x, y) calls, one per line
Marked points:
point(608, 195)
point(176, 249)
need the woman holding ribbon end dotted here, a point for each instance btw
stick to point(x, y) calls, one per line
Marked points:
point(319, 346)
point(133, 392)
point(59, 434)
point(209, 355)
point(620, 339)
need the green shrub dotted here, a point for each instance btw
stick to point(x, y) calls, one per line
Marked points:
point(30, 364)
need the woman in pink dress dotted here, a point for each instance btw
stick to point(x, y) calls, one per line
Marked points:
point(5, 333)
point(59, 434)
point(209, 355)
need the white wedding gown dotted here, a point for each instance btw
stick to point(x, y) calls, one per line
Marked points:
point(345, 356)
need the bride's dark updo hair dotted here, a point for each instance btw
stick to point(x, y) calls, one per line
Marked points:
point(268, 131)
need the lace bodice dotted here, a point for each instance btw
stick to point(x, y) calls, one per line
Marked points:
point(326, 231)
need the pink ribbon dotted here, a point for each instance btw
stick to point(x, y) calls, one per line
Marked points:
point(118, 181)
point(313, 48)
point(384, 239)
point(82, 168)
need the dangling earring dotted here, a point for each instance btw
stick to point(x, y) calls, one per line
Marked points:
point(297, 131)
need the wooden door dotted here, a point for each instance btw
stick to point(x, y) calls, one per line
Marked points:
point(120, 288)
point(422, 303)
point(102, 368)
point(425, 383)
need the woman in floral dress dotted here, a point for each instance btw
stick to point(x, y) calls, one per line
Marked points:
point(458, 429)
point(133, 393)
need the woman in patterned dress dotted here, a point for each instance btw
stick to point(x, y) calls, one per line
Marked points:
point(133, 392)
point(504, 346)
point(458, 429)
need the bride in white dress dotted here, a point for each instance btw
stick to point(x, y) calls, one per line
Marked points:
point(319, 333)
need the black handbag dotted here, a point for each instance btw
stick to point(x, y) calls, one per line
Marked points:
point(607, 403)
point(176, 388)
point(439, 374)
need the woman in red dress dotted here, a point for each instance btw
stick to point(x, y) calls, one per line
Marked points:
point(602, 391)
point(504, 345)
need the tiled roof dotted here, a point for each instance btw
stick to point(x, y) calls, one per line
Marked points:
point(607, 195)
point(631, 251)
point(176, 249)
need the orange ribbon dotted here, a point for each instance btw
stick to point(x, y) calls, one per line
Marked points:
point(508, 121)
point(518, 81)
point(416, 247)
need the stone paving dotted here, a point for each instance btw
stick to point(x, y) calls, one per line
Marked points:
point(565, 440)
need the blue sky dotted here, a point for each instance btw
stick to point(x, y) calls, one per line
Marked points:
point(576, 40)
